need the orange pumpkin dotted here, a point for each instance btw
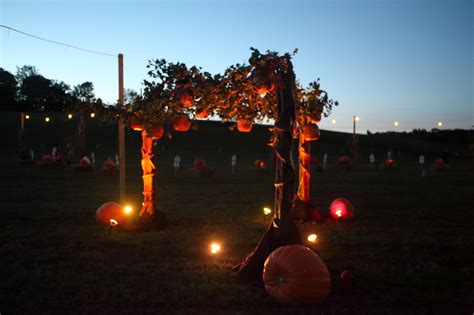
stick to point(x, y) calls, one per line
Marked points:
point(260, 163)
point(157, 132)
point(341, 209)
point(203, 114)
point(185, 97)
point(136, 126)
point(311, 132)
point(439, 164)
point(244, 125)
point(265, 89)
point(181, 123)
point(110, 211)
point(294, 274)
point(199, 164)
point(48, 158)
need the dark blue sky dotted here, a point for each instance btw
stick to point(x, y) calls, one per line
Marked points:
point(405, 60)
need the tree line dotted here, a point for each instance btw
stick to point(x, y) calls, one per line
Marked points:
point(28, 90)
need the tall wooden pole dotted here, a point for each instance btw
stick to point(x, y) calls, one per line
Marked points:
point(121, 133)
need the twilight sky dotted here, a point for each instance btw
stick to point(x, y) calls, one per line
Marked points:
point(385, 60)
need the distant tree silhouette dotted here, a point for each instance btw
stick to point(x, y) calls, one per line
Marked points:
point(8, 90)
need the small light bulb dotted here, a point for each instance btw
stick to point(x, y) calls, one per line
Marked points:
point(357, 118)
point(27, 116)
point(69, 116)
point(267, 211)
point(396, 123)
point(47, 119)
point(92, 115)
point(127, 209)
point(312, 238)
point(440, 123)
point(333, 121)
point(215, 248)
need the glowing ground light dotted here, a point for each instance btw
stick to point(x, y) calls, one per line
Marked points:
point(92, 115)
point(47, 119)
point(27, 116)
point(69, 116)
point(440, 124)
point(127, 209)
point(333, 121)
point(113, 222)
point(312, 238)
point(396, 123)
point(267, 211)
point(215, 248)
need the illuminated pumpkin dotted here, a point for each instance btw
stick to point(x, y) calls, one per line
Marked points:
point(202, 114)
point(157, 132)
point(181, 123)
point(310, 132)
point(110, 211)
point(439, 164)
point(85, 162)
point(199, 164)
point(48, 158)
point(260, 163)
point(390, 162)
point(136, 126)
point(294, 274)
point(244, 125)
point(345, 162)
point(341, 209)
point(185, 97)
point(264, 89)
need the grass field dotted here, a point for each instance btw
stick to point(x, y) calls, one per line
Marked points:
point(410, 248)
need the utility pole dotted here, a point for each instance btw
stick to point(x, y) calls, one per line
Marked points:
point(121, 133)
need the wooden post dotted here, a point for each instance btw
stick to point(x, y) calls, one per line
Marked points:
point(121, 133)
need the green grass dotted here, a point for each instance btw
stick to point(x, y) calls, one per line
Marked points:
point(410, 247)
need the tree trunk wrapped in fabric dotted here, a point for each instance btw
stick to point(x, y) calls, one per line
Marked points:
point(282, 230)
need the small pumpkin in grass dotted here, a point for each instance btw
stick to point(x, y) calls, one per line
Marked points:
point(181, 123)
point(244, 125)
point(294, 274)
point(199, 164)
point(157, 132)
point(341, 209)
point(202, 114)
point(110, 211)
point(311, 132)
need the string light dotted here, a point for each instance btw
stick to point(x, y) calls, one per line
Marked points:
point(47, 119)
point(215, 248)
point(267, 211)
point(312, 238)
point(69, 116)
point(128, 209)
point(27, 116)
point(92, 115)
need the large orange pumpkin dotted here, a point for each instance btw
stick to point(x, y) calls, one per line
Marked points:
point(294, 274)
point(244, 125)
point(341, 209)
point(181, 123)
point(310, 132)
point(202, 114)
point(110, 211)
point(157, 132)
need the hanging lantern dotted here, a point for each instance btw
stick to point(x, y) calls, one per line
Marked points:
point(181, 123)
point(341, 209)
point(244, 125)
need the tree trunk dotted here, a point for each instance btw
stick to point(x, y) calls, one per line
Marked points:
point(150, 218)
point(282, 230)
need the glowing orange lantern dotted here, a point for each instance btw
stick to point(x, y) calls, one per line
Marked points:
point(202, 114)
point(199, 164)
point(157, 132)
point(110, 211)
point(311, 132)
point(260, 163)
point(136, 126)
point(181, 123)
point(244, 125)
point(341, 209)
